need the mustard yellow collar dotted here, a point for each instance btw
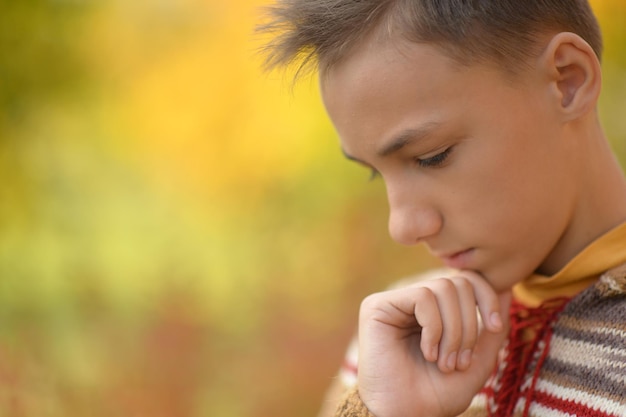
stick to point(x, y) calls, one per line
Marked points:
point(606, 252)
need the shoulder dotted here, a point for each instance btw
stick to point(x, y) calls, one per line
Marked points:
point(586, 362)
point(604, 301)
point(613, 282)
point(599, 310)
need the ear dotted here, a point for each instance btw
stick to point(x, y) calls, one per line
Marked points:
point(574, 73)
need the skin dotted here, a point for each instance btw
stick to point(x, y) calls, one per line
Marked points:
point(499, 176)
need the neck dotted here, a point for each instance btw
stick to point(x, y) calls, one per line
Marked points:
point(600, 204)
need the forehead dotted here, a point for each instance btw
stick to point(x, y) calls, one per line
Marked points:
point(380, 68)
point(393, 54)
point(381, 47)
point(379, 54)
point(383, 77)
point(386, 86)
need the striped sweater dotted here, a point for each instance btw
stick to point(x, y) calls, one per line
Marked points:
point(575, 366)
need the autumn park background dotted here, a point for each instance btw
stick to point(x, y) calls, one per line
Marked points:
point(180, 235)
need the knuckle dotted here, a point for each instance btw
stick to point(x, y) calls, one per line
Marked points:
point(423, 295)
point(372, 301)
point(444, 284)
point(462, 283)
point(420, 292)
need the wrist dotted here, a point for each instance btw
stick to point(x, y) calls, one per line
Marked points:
point(353, 406)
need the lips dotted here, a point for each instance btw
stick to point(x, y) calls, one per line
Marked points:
point(457, 260)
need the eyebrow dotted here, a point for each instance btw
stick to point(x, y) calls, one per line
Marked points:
point(407, 137)
point(401, 140)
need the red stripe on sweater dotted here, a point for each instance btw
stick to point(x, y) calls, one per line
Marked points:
point(568, 406)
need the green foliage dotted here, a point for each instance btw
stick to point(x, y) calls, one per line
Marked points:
point(39, 58)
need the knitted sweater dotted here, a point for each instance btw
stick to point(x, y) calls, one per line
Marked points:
point(575, 366)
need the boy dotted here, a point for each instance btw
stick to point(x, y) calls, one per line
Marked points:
point(480, 116)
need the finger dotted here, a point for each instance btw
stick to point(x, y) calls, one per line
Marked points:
point(489, 344)
point(469, 322)
point(428, 316)
point(449, 306)
point(487, 301)
point(402, 312)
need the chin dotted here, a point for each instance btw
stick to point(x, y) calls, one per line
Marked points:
point(500, 281)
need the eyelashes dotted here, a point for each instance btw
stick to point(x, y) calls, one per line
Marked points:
point(434, 161)
point(373, 175)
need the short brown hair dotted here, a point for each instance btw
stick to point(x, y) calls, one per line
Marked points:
point(504, 32)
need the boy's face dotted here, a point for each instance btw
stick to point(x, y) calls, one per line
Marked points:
point(476, 166)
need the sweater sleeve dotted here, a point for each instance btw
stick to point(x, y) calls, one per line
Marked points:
point(352, 406)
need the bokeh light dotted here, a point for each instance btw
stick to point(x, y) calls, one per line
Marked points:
point(180, 234)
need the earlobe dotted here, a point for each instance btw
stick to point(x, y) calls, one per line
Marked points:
point(575, 74)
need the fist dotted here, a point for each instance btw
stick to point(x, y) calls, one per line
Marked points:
point(427, 349)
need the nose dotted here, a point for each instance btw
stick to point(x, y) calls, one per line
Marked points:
point(412, 217)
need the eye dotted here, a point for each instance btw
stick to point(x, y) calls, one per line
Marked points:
point(434, 161)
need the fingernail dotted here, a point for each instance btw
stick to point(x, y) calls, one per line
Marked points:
point(465, 359)
point(451, 363)
point(496, 321)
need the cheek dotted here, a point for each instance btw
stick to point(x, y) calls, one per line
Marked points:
point(494, 199)
point(519, 219)
point(490, 185)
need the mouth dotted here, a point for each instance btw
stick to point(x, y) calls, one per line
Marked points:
point(457, 260)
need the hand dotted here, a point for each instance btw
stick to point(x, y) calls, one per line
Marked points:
point(424, 350)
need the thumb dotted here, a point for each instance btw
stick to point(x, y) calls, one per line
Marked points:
point(505, 304)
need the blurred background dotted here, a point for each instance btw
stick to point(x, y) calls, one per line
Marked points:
point(179, 232)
